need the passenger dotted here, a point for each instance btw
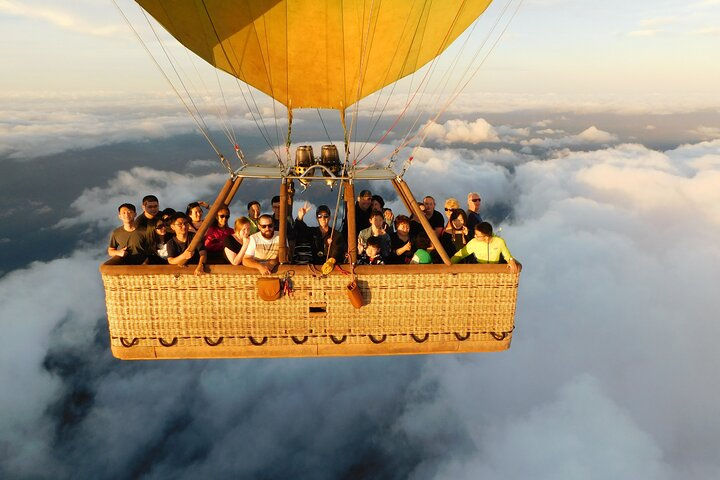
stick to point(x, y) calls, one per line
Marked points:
point(165, 215)
point(434, 217)
point(473, 212)
point(487, 248)
point(377, 203)
point(375, 229)
point(216, 235)
point(178, 246)
point(421, 255)
point(195, 213)
point(128, 244)
point(456, 233)
point(400, 241)
point(263, 247)
point(363, 209)
point(373, 252)
point(318, 244)
point(415, 224)
point(146, 220)
point(237, 244)
point(389, 217)
point(450, 205)
point(253, 209)
point(160, 238)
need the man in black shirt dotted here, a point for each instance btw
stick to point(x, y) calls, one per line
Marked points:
point(437, 221)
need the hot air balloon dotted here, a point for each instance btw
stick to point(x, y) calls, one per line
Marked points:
point(313, 54)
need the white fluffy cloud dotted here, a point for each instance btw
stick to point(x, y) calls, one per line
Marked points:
point(459, 131)
point(98, 206)
point(609, 375)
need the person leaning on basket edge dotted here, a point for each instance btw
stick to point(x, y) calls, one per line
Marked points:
point(263, 247)
point(487, 248)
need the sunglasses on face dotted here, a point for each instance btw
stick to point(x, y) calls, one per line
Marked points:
point(268, 225)
point(223, 216)
point(475, 199)
point(323, 216)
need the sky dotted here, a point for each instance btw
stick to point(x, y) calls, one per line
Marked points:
point(593, 134)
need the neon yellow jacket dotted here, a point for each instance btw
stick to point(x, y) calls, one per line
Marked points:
point(484, 252)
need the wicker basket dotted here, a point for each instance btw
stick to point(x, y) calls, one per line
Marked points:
point(167, 312)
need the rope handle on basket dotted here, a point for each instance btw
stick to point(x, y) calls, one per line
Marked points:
point(287, 283)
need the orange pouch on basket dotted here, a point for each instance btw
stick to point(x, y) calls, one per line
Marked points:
point(354, 294)
point(269, 288)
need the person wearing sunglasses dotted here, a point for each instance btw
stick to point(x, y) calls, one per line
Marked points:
point(473, 213)
point(159, 239)
point(178, 246)
point(263, 247)
point(316, 245)
point(216, 235)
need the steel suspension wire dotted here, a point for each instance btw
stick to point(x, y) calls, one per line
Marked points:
point(366, 37)
point(463, 86)
point(265, 134)
point(324, 127)
point(445, 80)
point(387, 73)
point(425, 78)
point(200, 126)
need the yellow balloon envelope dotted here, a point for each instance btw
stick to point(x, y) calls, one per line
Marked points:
point(316, 53)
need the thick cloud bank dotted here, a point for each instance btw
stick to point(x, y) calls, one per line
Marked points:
point(610, 374)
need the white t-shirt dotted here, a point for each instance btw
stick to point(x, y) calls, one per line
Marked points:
point(261, 249)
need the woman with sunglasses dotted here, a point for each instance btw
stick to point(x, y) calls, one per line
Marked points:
point(216, 235)
point(159, 239)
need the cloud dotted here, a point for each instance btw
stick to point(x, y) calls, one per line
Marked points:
point(49, 12)
point(581, 433)
point(98, 206)
point(615, 325)
point(706, 133)
point(459, 131)
point(590, 136)
point(45, 125)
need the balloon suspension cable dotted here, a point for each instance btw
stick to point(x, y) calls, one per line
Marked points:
point(241, 156)
point(425, 131)
point(414, 35)
point(366, 37)
point(200, 124)
point(288, 140)
point(423, 83)
point(263, 129)
point(327, 134)
point(346, 140)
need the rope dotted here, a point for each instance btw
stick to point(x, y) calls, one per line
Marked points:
point(422, 82)
point(265, 134)
point(387, 73)
point(206, 134)
point(464, 85)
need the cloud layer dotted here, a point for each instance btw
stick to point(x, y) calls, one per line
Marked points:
point(609, 376)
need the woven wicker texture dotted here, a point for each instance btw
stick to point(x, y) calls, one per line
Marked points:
point(156, 315)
